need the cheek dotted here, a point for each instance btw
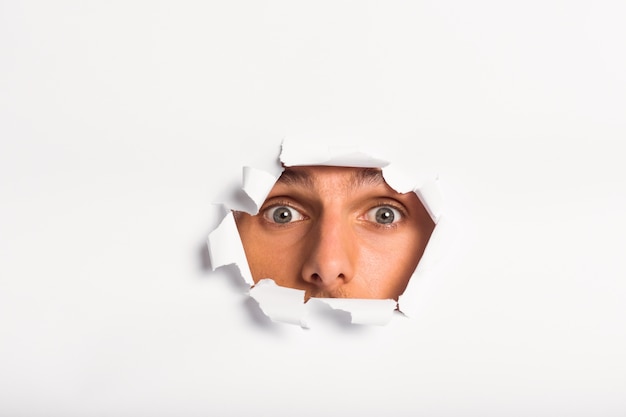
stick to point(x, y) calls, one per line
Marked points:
point(388, 262)
point(273, 255)
point(280, 265)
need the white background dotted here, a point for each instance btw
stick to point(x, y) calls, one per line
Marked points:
point(122, 122)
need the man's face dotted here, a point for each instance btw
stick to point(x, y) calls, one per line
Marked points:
point(336, 232)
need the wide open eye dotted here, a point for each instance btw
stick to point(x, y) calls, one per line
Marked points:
point(383, 215)
point(282, 214)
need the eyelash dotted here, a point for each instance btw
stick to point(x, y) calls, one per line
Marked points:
point(280, 203)
point(398, 207)
point(284, 203)
point(393, 225)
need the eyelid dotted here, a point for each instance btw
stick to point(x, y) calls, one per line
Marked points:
point(279, 202)
point(371, 214)
point(400, 213)
point(266, 210)
point(394, 205)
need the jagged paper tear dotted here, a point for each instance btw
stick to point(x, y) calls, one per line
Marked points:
point(225, 248)
point(286, 305)
point(281, 304)
point(307, 153)
point(257, 184)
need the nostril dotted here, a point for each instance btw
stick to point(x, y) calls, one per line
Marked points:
point(318, 279)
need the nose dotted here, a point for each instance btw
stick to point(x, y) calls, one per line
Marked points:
point(331, 256)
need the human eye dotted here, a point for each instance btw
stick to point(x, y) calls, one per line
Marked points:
point(282, 214)
point(383, 215)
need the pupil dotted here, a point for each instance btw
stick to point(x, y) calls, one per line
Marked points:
point(282, 215)
point(384, 216)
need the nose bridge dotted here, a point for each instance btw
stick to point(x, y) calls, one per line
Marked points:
point(331, 253)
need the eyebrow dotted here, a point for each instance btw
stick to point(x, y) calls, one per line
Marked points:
point(360, 177)
point(367, 176)
point(296, 178)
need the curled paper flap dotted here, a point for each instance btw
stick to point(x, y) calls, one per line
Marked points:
point(311, 153)
point(225, 248)
point(280, 304)
point(286, 305)
point(363, 311)
point(257, 184)
point(399, 181)
point(430, 196)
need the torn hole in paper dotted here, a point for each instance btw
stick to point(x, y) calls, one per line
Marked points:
point(340, 226)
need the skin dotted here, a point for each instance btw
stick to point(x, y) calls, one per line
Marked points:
point(336, 232)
